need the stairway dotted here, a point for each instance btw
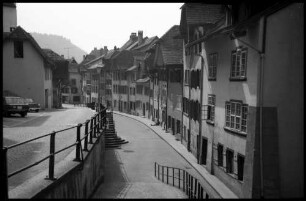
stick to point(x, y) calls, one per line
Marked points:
point(112, 140)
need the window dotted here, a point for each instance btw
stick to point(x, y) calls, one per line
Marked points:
point(178, 126)
point(73, 82)
point(211, 111)
point(186, 80)
point(74, 90)
point(115, 102)
point(229, 161)
point(212, 66)
point(236, 116)
point(239, 63)
point(240, 164)
point(220, 155)
point(18, 49)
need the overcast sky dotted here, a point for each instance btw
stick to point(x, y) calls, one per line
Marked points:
point(98, 24)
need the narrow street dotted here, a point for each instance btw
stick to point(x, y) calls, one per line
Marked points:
point(17, 129)
point(129, 171)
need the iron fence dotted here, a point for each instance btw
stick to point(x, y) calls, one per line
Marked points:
point(93, 128)
point(182, 179)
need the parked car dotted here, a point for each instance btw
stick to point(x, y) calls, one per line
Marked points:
point(33, 106)
point(15, 105)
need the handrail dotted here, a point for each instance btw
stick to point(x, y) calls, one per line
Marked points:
point(97, 126)
point(190, 185)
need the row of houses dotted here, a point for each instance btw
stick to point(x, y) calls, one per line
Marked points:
point(227, 82)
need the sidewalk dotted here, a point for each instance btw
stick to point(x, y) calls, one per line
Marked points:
point(212, 181)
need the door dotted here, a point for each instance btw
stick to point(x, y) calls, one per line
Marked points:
point(143, 109)
point(188, 142)
point(46, 98)
point(204, 151)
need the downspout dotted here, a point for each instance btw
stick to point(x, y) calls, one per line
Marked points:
point(261, 82)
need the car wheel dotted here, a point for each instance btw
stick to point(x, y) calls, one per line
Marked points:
point(23, 114)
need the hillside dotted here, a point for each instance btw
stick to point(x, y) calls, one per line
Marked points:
point(58, 45)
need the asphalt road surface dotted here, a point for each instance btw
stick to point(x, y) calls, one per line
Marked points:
point(17, 129)
point(129, 171)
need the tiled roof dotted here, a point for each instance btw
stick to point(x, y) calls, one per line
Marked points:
point(147, 44)
point(130, 42)
point(110, 54)
point(52, 55)
point(20, 34)
point(171, 48)
point(200, 13)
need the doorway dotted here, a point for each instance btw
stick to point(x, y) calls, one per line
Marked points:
point(204, 151)
point(143, 109)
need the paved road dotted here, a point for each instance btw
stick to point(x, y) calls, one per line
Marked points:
point(17, 129)
point(130, 170)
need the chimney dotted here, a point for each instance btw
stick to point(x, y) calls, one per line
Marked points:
point(84, 57)
point(115, 48)
point(133, 35)
point(105, 49)
point(95, 49)
point(140, 37)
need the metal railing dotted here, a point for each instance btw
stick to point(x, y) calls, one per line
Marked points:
point(93, 129)
point(182, 179)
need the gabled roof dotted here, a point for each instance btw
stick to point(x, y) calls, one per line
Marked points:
point(20, 34)
point(171, 48)
point(201, 13)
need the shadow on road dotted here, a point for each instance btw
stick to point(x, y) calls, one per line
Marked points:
point(115, 183)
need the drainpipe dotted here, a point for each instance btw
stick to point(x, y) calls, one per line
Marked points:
point(168, 77)
point(261, 86)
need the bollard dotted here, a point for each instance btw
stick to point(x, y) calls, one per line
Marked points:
point(78, 145)
point(4, 178)
point(91, 130)
point(86, 136)
point(51, 159)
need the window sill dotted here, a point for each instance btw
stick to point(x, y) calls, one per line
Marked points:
point(238, 79)
point(235, 131)
point(212, 79)
point(210, 122)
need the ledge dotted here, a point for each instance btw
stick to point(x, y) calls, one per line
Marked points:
point(237, 79)
point(235, 132)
